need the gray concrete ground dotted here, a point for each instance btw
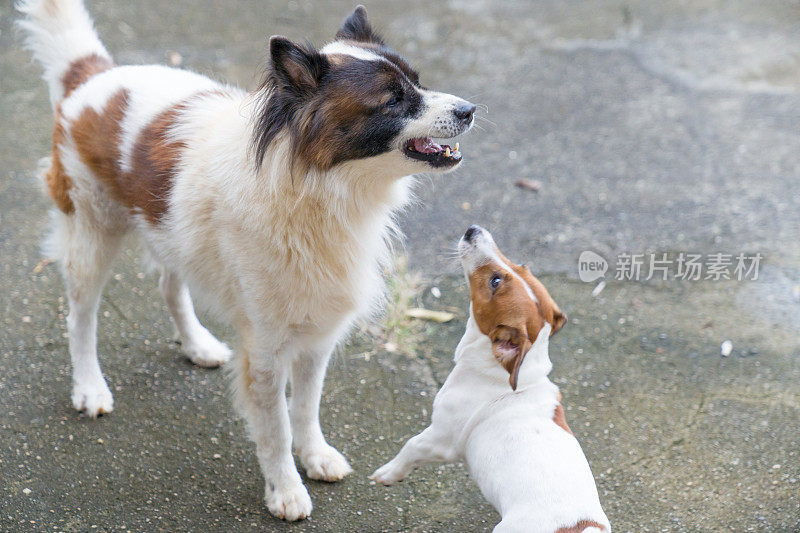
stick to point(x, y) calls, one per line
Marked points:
point(652, 127)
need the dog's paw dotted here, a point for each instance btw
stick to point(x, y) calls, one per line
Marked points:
point(325, 464)
point(388, 474)
point(289, 504)
point(205, 350)
point(92, 399)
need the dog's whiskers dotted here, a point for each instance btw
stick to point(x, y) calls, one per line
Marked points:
point(486, 120)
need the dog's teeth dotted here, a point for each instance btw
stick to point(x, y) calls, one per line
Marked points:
point(456, 147)
point(447, 152)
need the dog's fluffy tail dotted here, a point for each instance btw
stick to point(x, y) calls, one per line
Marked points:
point(60, 32)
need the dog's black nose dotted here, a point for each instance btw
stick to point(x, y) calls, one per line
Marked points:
point(471, 232)
point(464, 112)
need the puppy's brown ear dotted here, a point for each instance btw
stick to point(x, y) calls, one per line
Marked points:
point(509, 346)
point(559, 319)
point(356, 27)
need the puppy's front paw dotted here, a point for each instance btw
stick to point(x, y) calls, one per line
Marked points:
point(388, 474)
point(205, 350)
point(93, 399)
point(325, 464)
point(290, 503)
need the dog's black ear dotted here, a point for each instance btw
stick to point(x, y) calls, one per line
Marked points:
point(356, 27)
point(298, 69)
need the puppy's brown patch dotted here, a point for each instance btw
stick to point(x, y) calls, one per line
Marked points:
point(560, 419)
point(82, 69)
point(58, 183)
point(508, 315)
point(580, 526)
point(547, 306)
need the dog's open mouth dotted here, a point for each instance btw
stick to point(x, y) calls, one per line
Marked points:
point(436, 155)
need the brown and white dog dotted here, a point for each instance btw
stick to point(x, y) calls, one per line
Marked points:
point(515, 440)
point(275, 207)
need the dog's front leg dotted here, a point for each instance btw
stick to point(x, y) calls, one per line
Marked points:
point(321, 460)
point(427, 447)
point(261, 377)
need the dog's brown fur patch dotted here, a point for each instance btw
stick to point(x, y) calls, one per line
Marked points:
point(580, 526)
point(320, 127)
point(97, 138)
point(82, 69)
point(154, 158)
point(58, 183)
point(154, 161)
point(560, 419)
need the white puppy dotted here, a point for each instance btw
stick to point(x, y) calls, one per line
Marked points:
point(514, 439)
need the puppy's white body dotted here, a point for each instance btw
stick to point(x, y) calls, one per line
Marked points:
point(527, 464)
point(529, 468)
point(291, 260)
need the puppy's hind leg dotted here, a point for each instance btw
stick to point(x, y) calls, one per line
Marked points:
point(85, 253)
point(199, 345)
point(321, 460)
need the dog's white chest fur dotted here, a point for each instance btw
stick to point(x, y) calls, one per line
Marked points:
point(309, 251)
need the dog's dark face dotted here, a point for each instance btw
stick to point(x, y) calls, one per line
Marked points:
point(357, 101)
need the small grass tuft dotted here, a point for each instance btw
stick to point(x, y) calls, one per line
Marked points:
point(399, 332)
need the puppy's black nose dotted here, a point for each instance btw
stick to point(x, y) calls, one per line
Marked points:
point(471, 232)
point(464, 112)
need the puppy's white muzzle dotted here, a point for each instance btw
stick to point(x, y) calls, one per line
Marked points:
point(476, 248)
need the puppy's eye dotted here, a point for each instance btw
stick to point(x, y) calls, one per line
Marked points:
point(495, 281)
point(395, 100)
